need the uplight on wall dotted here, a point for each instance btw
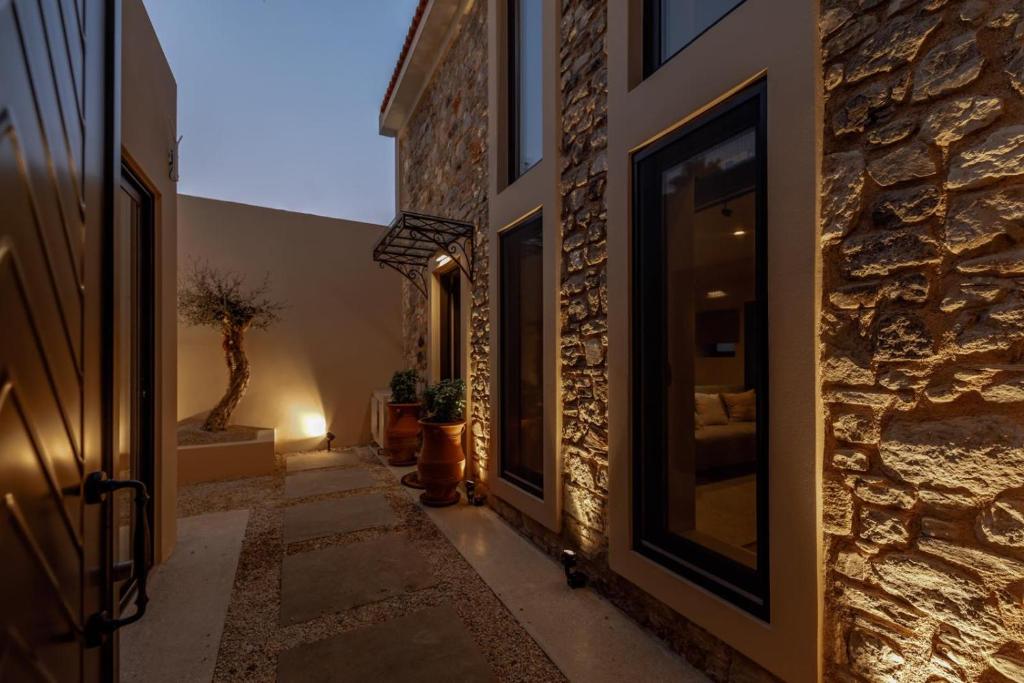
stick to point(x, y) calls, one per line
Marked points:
point(313, 424)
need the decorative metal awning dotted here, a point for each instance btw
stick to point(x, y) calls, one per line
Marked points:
point(413, 239)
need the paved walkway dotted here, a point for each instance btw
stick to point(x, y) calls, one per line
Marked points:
point(342, 577)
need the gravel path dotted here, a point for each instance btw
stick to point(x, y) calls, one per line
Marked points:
point(253, 639)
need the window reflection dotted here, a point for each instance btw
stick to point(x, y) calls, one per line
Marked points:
point(526, 57)
point(673, 24)
point(700, 350)
point(710, 216)
point(522, 356)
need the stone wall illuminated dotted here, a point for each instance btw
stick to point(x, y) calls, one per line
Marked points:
point(443, 167)
point(922, 338)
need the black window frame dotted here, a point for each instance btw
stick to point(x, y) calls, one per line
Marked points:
point(747, 588)
point(652, 36)
point(513, 76)
point(523, 480)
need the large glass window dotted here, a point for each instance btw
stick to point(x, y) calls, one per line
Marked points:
point(526, 80)
point(671, 25)
point(522, 356)
point(700, 353)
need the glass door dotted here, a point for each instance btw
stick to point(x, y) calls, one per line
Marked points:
point(133, 367)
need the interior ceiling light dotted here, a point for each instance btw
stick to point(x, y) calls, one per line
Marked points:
point(716, 294)
point(739, 232)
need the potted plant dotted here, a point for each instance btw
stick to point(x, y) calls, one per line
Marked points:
point(403, 433)
point(442, 461)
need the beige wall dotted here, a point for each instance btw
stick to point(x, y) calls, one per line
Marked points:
point(338, 340)
point(149, 98)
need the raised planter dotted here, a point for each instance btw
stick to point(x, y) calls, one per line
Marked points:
point(227, 460)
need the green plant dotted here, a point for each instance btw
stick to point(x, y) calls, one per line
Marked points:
point(403, 386)
point(446, 401)
point(217, 298)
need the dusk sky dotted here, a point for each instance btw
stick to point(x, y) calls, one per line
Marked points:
point(278, 100)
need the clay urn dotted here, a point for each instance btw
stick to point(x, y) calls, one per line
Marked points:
point(402, 438)
point(441, 462)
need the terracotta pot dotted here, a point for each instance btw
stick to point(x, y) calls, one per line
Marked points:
point(441, 462)
point(402, 439)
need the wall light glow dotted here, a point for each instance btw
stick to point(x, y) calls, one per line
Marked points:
point(313, 424)
point(443, 259)
point(716, 294)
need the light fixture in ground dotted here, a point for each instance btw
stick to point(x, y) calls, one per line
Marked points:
point(313, 424)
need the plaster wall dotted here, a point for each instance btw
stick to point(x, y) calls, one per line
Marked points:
point(338, 339)
point(148, 133)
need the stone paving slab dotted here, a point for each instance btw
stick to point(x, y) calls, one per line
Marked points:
point(337, 578)
point(305, 484)
point(424, 647)
point(320, 459)
point(329, 517)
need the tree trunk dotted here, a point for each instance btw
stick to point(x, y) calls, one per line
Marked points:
point(238, 379)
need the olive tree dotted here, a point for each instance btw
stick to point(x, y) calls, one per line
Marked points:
point(209, 297)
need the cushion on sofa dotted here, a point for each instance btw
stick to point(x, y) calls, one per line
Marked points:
point(741, 407)
point(710, 410)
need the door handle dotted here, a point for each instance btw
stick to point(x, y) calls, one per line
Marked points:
point(96, 486)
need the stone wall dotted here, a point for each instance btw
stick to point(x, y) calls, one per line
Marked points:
point(922, 336)
point(443, 167)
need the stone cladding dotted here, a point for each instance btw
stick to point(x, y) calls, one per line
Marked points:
point(922, 338)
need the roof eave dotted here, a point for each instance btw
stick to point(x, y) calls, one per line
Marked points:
point(414, 72)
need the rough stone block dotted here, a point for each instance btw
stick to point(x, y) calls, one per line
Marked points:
point(894, 45)
point(904, 163)
point(947, 67)
point(1000, 155)
point(981, 454)
point(951, 121)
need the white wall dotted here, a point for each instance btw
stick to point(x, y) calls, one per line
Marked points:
point(338, 340)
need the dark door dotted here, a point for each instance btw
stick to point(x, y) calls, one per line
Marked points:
point(58, 163)
point(133, 377)
point(451, 324)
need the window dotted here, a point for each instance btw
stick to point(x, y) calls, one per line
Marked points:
point(451, 323)
point(522, 357)
point(671, 25)
point(700, 385)
point(526, 80)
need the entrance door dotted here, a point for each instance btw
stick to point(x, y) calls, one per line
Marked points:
point(134, 345)
point(451, 324)
point(58, 163)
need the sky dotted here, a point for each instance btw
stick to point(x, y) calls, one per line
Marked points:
point(278, 100)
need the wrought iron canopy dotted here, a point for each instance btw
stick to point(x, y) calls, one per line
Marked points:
point(413, 239)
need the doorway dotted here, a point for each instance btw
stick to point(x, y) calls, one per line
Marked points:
point(450, 319)
point(134, 371)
